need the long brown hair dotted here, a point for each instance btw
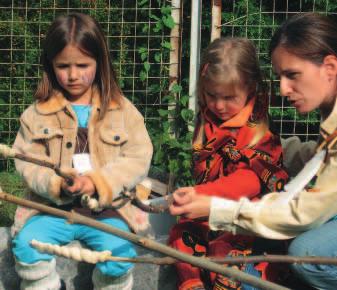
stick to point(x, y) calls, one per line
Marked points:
point(309, 36)
point(84, 32)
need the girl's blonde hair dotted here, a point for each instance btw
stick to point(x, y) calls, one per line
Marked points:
point(86, 34)
point(232, 62)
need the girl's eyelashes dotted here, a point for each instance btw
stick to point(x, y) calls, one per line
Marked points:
point(219, 97)
point(82, 65)
point(209, 94)
point(64, 65)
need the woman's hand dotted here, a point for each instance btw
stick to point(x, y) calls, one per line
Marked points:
point(82, 185)
point(190, 204)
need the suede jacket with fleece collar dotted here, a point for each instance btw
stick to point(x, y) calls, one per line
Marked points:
point(119, 145)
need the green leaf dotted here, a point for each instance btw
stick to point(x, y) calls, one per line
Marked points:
point(166, 126)
point(187, 114)
point(143, 75)
point(154, 17)
point(165, 10)
point(173, 166)
point(142, 50)
point(157, 57)
point(184, 100)
point(143, 56)
point(147, 66)
point(155, 88)
point(145, 28)
point(166, 44)
point(163, 113)
point(158, 157)
point(176, 89)
point(168, 21)
point(169, 99)
point(142, 3)
point(143, 53)
point(187, 163)
point(158, 27)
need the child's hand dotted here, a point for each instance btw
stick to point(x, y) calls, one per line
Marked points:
point(82, 185)
point(190, 204)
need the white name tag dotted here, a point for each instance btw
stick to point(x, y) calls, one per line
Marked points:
point(82, 162)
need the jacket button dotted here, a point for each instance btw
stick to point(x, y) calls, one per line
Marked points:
point(69, 145)
point(116, 138)
point(45, 131)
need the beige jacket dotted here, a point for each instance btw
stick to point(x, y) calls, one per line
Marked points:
point(120, 150)
point(296, 154)
point(270, 218)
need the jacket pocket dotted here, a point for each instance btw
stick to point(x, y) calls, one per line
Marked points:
point(111, 142)
point(114, 137)
point(51, 139)
point(46, 133)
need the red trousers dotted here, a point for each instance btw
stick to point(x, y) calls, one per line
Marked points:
point(195, 238)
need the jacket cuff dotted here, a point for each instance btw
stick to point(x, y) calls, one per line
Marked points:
point(105, 193)
point(54, 188)
point(223, 213)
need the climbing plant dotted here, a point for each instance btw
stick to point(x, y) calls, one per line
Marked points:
point(138, 34)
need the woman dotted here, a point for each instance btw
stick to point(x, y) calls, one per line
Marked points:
point(304, 55)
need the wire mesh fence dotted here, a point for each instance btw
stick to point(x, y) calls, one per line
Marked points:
point(257, 20)
point(138, 35)
point(138, 38)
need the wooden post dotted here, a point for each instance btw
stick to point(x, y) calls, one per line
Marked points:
point(216, 19)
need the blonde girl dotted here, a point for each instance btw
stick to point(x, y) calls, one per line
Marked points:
point(234, 154)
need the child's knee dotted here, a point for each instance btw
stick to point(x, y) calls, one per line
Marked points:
point(24, 252)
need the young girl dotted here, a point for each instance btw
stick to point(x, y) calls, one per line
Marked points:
point(80, 119)
point(304, 55)
point(235, 154)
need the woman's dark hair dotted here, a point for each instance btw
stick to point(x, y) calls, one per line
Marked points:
point(309, 36)
point(85, 33)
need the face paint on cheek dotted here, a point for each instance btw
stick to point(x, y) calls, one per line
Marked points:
point(88, 78)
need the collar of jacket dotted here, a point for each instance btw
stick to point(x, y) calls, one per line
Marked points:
point(58, 102)
point(329, 125)
point(239, 120)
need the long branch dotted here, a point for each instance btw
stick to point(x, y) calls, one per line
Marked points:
point(9, 152)
point(86, 255)
point(205, 263)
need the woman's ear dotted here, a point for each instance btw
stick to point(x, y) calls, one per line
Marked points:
point(330, 64)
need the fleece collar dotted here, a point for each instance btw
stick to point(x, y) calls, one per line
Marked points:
point(239, 119)
point(58, 102)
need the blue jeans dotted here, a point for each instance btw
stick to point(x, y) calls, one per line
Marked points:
point(56, 230)
point(321, 241)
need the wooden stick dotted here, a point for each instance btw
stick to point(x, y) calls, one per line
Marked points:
point(205, 263)
point(86, 255)
point(9, 152)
